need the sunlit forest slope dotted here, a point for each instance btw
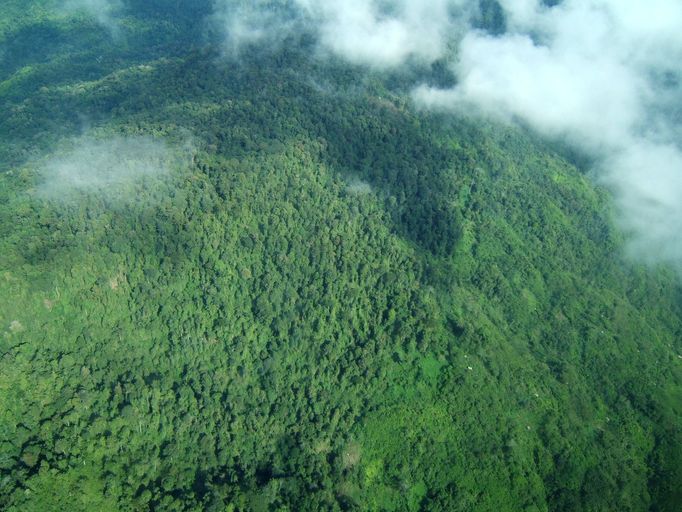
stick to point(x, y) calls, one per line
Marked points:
point(268, 281)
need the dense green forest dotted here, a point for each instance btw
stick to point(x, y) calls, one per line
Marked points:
point(269, 282)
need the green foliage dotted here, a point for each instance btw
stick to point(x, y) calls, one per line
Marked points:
point(336, 303)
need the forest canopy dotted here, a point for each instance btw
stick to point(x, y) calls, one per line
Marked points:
point(245, 265)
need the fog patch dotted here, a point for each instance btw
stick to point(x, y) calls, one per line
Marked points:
point(384, 34)
point(103, 11)
point(646, 179)
point(375, 33)
point(119, 169)
point(357, 186)
point(240, 24)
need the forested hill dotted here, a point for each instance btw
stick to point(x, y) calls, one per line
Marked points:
point(269, 282)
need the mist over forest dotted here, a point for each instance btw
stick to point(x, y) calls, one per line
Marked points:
point(340, 255)
point(602, 76)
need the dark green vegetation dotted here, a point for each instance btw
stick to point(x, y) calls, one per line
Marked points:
point(328, 300)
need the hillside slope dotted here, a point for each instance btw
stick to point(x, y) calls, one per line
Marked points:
point(321, 298)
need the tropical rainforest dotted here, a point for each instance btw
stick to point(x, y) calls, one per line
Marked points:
point(259, 279)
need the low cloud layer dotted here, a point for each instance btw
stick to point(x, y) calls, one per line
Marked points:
point(115, 168)
point(384, 34)
point(604, 75)
point(379, 34)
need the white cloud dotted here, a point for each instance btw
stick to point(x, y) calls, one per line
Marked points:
point(259, 21)
point(114, 167)
point(361, 32)
point(513, 77)
point(375, 33)
point(590, 72)
point(647, 180)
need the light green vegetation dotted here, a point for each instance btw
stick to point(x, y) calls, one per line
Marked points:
point(252, 330)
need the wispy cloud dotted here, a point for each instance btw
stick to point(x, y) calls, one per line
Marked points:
point(384, 34)
point(379, 34)
point(103, 11)
point(259, 21)
point(115, 167)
